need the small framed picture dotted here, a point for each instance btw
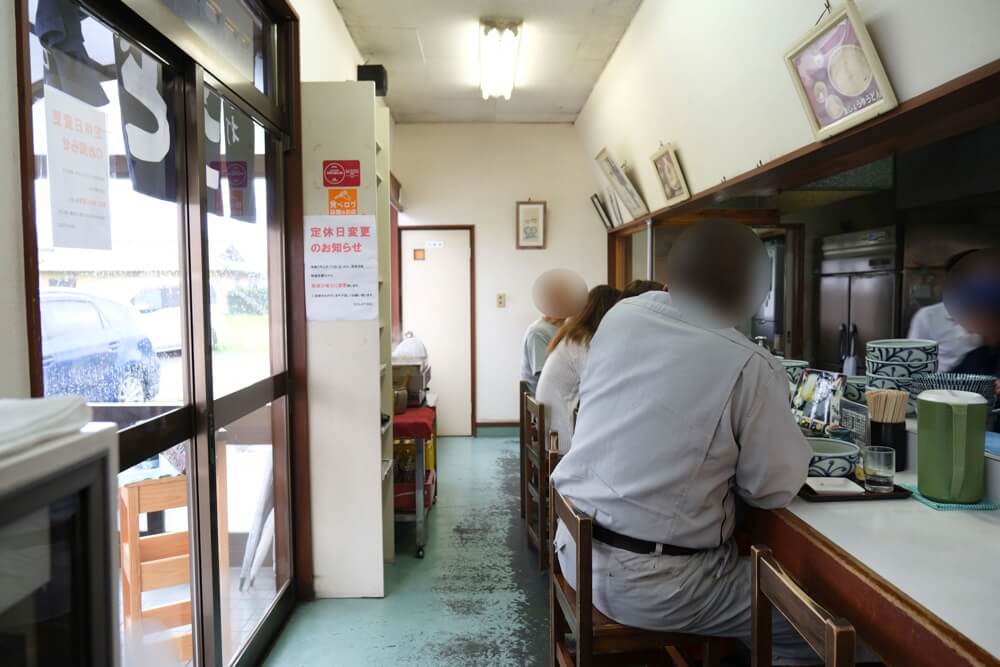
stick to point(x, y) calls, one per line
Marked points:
point(595, 199)
point(530, 225)
point(838, 75)
point(668, 168)
point(622, 187)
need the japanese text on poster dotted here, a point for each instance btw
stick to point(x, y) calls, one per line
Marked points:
point(76, 135)
point(341, 269)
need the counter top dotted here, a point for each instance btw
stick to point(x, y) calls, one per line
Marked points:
point(947, 562)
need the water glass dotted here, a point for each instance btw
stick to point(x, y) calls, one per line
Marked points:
point(880, 469)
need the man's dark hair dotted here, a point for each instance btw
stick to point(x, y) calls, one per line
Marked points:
point(956, 258)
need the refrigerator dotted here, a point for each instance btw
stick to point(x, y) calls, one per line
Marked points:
point(859, 286)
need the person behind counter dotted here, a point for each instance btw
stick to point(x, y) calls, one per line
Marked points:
point(974, 296)
point(558, 294)
point(559, 385)
point(935, 323)
point(679, 414)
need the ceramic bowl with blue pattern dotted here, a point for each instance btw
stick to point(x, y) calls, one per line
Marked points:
point(902, 350)
point(833, 458)
point(854, 390)
point(899, 369)
point(794, 369)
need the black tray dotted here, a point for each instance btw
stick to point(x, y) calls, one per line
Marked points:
point(807, 494)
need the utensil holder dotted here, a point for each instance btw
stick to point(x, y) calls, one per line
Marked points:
point(888, 434)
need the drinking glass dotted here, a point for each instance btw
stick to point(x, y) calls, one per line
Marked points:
point(880, 469)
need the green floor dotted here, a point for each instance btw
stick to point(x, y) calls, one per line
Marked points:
point(477, 598)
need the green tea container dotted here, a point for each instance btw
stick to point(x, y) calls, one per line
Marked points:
point(951, 445)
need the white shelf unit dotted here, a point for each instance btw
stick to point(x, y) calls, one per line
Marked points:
point(351, 488)
point(383, 122)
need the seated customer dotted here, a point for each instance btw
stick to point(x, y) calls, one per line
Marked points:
point(637, 287)
point(559, 385)
point(679, 415)
point(557, 294)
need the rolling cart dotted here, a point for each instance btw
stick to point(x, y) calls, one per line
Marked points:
point(414, 497)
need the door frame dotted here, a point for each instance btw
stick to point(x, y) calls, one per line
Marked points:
point(397, 291)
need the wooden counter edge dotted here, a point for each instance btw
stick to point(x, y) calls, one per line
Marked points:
point(894, 625)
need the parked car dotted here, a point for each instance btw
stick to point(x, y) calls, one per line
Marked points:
point(160, 310)
point(96, 348)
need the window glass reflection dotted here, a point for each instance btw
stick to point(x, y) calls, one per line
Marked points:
point(107, 220)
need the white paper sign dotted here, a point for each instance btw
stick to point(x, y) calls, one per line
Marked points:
point(77, 139)
point(341, 269)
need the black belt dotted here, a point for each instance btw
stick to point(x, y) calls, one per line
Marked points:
point(611, 538)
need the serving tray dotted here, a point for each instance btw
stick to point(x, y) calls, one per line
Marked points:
point(807, 494)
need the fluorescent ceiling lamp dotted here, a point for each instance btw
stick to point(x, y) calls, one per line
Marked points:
point(498, 47)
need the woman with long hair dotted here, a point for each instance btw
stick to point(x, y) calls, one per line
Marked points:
point(559, 385)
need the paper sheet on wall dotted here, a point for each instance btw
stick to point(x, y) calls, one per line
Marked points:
point(341, 255)
point(76, 134)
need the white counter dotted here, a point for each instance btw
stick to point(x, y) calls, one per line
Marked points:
point(948, 562)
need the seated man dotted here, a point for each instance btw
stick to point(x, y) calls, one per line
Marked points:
point(679, 414)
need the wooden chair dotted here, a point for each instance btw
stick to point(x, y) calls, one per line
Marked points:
point(832, 638)
point(536, 479)
point(600, 640)
point(155, 561)
point(522, 394)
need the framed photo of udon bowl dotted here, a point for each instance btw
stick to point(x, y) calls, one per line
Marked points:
point(668, 168)
point(838, 75)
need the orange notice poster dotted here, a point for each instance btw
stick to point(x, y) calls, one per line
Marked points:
point(342, 202)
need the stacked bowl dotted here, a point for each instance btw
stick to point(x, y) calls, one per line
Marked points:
point(794, 369)
point(892, 363)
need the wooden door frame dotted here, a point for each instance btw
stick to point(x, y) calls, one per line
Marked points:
point(397, 291)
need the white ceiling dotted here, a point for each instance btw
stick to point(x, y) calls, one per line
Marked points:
point(431, 50)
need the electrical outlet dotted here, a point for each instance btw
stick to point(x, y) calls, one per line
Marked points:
point(501, 300)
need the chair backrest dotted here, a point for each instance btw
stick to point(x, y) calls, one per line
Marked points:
point(534, 412)
point(581, 529)
point(832, 638)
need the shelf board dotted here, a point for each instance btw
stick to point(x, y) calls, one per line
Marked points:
point(386, 467)
point(379, 178)
point(386, 427)
point(378, 146)
point(382, 370)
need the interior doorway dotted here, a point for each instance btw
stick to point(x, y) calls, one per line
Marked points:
point(437, 293)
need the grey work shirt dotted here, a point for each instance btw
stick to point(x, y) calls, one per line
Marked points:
point(675, 419)
point(535, 350)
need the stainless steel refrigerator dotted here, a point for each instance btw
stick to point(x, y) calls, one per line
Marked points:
point(858, 294)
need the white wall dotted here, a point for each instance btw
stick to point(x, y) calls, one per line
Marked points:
point(461, 174)
point(14, 381)
point(709, 75)
point(328, 52)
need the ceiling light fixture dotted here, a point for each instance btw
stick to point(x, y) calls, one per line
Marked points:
point(499, 41)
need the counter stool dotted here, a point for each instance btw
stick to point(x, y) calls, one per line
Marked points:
point(832, 638)
point(523, 392)
point(536, 478)
point(600, 640)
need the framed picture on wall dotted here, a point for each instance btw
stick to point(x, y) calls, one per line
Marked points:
point(838, 75)
point(595, 199)
point(530, 225)
point(622, 187)
point(668, 168)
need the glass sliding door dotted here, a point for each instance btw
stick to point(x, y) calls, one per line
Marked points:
point(157, 230)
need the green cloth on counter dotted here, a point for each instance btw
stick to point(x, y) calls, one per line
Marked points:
point(982, 505)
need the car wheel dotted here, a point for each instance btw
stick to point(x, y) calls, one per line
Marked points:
point(131, 387)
